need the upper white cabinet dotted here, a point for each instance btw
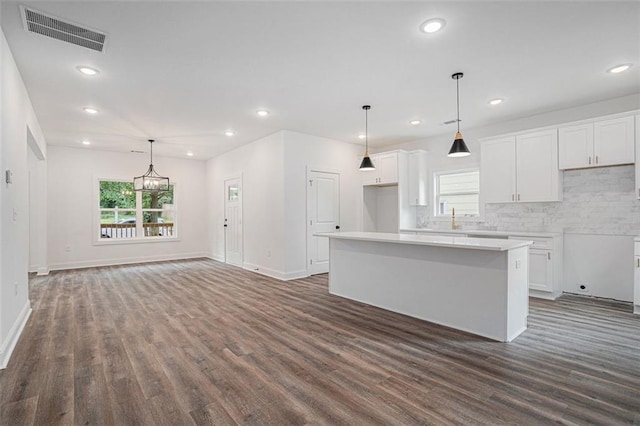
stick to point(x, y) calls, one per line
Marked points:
point(386, 172)
point(521, 168)
point(596, 144)
point(537, 174)
point(418, 182)
point(498, 170)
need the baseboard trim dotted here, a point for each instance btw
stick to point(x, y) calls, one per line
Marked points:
point(273, 273)
point(216, 257)
point(43, 271)
point(111, 262)
point(544, 295)
point(15, 332)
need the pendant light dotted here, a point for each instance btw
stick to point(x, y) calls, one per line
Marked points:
point(459, 148)
point(367, 164)
point(151, 181)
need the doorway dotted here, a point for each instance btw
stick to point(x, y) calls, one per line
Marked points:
point(233, 221)
point(323, 215)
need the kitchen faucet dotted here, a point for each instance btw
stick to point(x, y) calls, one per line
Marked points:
point(454, 225)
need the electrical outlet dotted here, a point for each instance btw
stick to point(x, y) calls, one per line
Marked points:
point(268, 253)
point(15, 288)
point(67, 248)
point(518, 264)
point(583, 288)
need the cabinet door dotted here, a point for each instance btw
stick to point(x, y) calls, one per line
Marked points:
point(370, 177)
point(498, 170)
point(575, 147)
point(638, 157)
point(614, 141)
point(538, 176)
point(540, 270)
point(387, 164)
point(418, 178)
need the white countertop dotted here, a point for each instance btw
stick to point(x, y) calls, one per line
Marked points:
point(429, 240)
point(483, 232)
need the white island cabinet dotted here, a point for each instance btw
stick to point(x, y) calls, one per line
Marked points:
point(477, 285)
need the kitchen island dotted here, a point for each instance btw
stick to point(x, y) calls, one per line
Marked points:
point(477, 285)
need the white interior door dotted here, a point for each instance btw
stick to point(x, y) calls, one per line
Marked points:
point(323, 215)
point(233, 221)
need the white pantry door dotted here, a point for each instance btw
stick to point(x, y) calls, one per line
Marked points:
point(233, 221)
point(323, 215)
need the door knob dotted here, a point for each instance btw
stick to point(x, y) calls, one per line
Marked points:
point(225, 225)
point(337, 226)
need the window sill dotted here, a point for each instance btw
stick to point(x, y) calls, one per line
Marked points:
point(118, 241)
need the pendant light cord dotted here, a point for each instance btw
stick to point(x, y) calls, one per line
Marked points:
point(151, 142)
point(366, 131)
point(458, 101)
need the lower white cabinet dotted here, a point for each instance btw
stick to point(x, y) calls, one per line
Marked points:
point(545, 265)
point(540, 270)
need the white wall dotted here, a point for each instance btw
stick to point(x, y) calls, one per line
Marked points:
point(303, 152)
point(16, 116)
point(274, 176)
point(73, 175)
point(261, 165)
point(599, 208)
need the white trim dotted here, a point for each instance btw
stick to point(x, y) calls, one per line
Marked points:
point(544, 294)
point(129, 260)
point(279, 275)
point(216, 257)
point(15, 332)
point(43, 271)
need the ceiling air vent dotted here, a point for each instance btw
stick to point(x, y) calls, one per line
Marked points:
point(40, 23)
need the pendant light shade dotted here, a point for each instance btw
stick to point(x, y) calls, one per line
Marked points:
point(459, 148)
point(366, 164)
point(151, 181)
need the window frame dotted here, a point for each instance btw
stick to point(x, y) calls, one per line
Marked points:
point(436, 194)
point(98, 240)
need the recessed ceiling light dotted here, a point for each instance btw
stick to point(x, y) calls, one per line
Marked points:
point(229, 133)
point(88, 70)
point(619, 68)
point(415, 122)
point(85, 142)
point(432, 25)
point(361, 136)
point(496, 101)
point(190, 154)
point(90, 110)
point(262, 112)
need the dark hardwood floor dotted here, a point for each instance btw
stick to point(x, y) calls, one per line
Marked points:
point(201, 342)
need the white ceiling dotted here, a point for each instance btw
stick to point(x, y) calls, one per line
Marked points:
point(184, 72)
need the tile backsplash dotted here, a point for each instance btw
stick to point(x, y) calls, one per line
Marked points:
point(595, 201)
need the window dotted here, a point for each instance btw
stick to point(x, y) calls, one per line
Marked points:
point(457, 190)
point(129, 214)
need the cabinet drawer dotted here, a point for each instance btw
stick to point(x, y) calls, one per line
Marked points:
point(538, 243)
